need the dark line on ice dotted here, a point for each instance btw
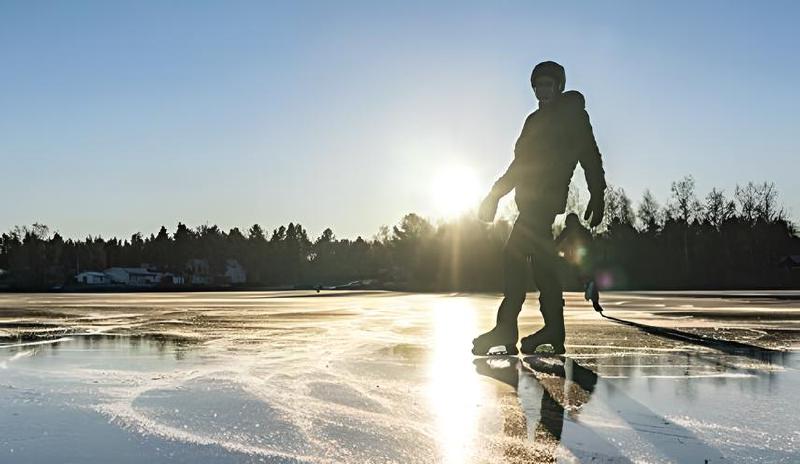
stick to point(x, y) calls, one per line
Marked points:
point(726, 346)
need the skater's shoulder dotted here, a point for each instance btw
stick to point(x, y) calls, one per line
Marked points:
point(529, 119)
point(573, 100)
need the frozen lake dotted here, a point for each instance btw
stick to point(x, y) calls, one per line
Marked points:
point(379, 377)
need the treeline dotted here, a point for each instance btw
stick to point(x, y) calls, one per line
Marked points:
point(716, 241)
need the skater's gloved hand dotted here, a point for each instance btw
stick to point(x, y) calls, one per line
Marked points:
point(595, 210)
point(488, 208)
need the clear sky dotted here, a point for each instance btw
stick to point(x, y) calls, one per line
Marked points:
point(120, 117)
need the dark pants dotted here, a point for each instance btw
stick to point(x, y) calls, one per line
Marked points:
point(531, 246)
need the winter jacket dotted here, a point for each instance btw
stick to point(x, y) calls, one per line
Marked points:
point(554, 139)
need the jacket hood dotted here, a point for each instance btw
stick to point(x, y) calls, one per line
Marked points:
point(573, 98)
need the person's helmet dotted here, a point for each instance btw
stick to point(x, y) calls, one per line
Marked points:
point(550, 69)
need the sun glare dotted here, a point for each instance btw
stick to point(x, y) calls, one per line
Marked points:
point(454, 390)
point(455, 191)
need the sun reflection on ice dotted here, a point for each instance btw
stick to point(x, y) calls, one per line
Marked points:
point(454, 390)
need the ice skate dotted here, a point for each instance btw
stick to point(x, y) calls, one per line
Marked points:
point(502, 338)
point(544, 336)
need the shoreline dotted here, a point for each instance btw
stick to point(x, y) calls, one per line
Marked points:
point(776, 293)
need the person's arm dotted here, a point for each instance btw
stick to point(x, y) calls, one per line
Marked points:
point(504, 184)
point(590, 158)
point(508, 181)
point(513, 175)
point(592, 163)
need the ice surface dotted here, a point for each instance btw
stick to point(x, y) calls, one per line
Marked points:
point(388, 377)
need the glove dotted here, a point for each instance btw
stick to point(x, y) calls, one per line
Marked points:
point(488, 208)
point(595, 210)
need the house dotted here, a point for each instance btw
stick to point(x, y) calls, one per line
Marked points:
point(170, 278)
point(234, 272)
point(134, 276)
point(199, 271)
point(93, 278)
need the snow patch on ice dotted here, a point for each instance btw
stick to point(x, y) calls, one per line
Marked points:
point(20, 355)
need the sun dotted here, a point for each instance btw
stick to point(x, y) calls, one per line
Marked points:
point(455, 191)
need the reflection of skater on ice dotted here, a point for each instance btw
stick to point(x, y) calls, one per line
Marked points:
point(543, 419)
point(555, 138)
point(552, 392)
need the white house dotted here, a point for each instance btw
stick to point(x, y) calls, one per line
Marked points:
point(235, 272)
point(135, 276)
point(93, 278)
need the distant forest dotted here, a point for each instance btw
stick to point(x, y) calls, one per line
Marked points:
point(742, 240)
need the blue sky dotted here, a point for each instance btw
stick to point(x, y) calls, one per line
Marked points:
point(120, 117)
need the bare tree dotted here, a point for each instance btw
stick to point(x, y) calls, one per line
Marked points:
point(767, 207)
point(649, 213)
point(718, 209)
point(684, 206)
point(759, 202)
point(746, 197)
point(618, 207)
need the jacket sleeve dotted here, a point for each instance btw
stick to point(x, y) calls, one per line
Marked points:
point(589, 156)
point(507, 181)
point(511, 178)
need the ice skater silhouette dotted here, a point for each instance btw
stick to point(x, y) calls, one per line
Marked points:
point(555, 138)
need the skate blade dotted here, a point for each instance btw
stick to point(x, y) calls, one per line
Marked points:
point(545, 350)
point(499, 350)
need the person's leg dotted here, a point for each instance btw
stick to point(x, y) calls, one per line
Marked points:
point(515, 274)
point(551, 300)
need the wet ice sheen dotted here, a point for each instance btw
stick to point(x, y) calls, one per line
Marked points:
point(384, 377)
